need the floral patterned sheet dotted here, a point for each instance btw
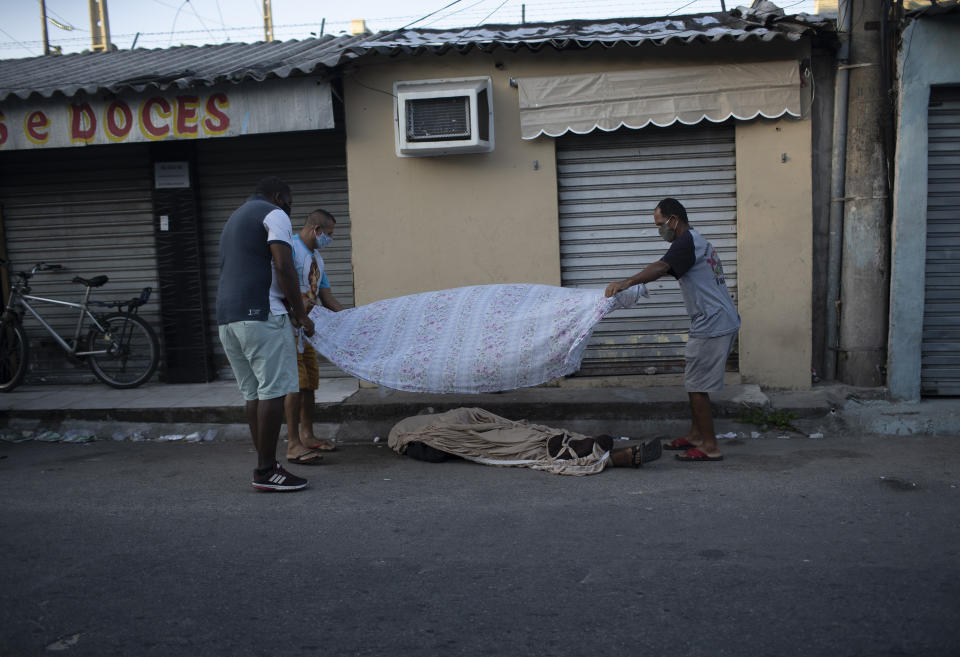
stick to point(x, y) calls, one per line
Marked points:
point(481, 338)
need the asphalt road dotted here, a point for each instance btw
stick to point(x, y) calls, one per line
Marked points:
point(844, 546)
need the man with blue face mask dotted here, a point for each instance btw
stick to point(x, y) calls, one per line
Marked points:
point(303, 447)
point(714, 321)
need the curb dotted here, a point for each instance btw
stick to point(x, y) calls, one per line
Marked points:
point(366, 411)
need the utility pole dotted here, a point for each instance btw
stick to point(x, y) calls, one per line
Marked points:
point(43, 19)
point(267, 21)
point(865, 277)
point(99, 26)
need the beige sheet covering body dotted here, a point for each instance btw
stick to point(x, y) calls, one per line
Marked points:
point(483, 437)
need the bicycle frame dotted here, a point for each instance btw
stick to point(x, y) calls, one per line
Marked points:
point(84, 313)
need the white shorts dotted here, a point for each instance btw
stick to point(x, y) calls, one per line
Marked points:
point(263, 356)
point(706, 362)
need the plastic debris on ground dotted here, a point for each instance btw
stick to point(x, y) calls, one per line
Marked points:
point(47, 436)
point(78, 436)
point(898, 483)
point(15, 436)
point(134, 436)
point(87, 435)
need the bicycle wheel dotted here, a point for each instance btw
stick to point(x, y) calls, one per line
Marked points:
point(133, 352)
point(14, 355)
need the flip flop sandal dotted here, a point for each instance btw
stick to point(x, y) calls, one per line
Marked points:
point(695, 454)
point(679, 445)
point(310, 458)
point(324, 446)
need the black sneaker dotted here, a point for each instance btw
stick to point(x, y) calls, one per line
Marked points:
point(277, 479)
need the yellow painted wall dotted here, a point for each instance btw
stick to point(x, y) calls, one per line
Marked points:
point(775, 251)
point(429, 223)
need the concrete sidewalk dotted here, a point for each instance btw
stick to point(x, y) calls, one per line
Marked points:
point(579, 403)
point(343, 399)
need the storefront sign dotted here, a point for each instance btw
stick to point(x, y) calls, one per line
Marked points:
point(226, 111)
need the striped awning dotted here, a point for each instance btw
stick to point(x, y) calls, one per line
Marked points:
point(662, 96)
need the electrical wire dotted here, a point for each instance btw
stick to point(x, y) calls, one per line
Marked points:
point(222, 24)
point(12, 38)
point(354, 77)
point(194, 9)
point(62, 26)
point(455, 2)
point(59, 20)
point(572, 9)
point(455, 12)
point(679, 8)
point(175, 17)
point(491, 13)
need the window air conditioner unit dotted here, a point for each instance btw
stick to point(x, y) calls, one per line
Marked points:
point(440, 117)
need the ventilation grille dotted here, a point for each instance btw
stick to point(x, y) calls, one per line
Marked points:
point(438, 119)
point(443, 117)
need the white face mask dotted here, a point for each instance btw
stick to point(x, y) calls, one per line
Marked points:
point(667, 233)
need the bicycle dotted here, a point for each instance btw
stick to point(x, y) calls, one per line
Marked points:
point(120, 347)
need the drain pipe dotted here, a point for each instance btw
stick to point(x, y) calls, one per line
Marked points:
point(838, 167)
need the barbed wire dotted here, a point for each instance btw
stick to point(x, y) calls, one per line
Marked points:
point(467, 15)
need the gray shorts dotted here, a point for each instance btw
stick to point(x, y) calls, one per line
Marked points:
point(263, 356)
point(706, 362)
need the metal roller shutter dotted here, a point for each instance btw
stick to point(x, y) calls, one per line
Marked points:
point(315, 166)
point(609, 184)
point(940, 351)
point(90, 210)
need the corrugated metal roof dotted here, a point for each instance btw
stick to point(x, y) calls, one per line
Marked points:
point(702, 28)
point(162, 68)
point(193, 66)
point(936, 9)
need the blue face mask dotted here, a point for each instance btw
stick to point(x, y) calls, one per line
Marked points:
point(323, 240)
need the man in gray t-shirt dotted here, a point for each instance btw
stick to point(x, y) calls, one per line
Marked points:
point(714, 321)
point(257, 286)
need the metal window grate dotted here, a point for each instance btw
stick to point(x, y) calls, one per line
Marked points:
point(438, 119)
